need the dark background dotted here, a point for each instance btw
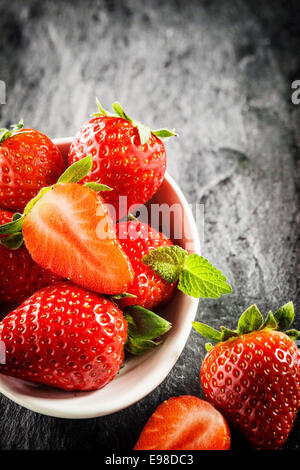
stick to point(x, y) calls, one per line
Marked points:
point(221, 73)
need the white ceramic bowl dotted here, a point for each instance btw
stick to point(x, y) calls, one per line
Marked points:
point(140, 375)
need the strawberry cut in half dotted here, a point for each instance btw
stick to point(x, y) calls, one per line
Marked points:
point(67, 229)
point(185, 423)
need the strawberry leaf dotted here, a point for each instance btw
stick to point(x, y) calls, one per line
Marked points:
point(97, 187)
point(102, 111)
point(12, 227)
point(166, 261)
point(13, 241)
point(77, 171)
point(270, 322)
point(144, 132)
point(164, 133)
point(6, 133)
point(124, 295)
point(250, 320)
point(137, 346)
point(199, 278)
point(285, 316)
point(120, 111)
point(207, 331)
point(293, 334)
point(227, 333)
point(144, 327)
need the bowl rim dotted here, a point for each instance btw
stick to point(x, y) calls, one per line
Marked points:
point(46, 406)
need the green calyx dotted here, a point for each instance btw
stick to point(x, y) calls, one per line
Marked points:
point(6, 133)
point(252, 320)
point(144, 131)
point(73, 174)
point(144, 329)
point(196, 276)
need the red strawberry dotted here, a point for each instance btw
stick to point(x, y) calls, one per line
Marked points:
point(70, 232)
point(66, 337)
point(20, 276)
point(185, 423)
point(253, 375)
point(29, 160)
point(149, 289)
point(126, 156)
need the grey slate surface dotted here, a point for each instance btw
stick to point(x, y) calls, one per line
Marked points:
point(218, 71)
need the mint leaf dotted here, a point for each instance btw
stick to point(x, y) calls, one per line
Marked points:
point(199, 278)
point(250, 320)
point(97, 187)
point(77, 171)
point(166, 261)
point(285, 316)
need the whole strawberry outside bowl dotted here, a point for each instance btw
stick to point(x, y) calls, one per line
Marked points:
point(140, 375)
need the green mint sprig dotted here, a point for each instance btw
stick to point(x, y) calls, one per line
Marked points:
point(196, 276)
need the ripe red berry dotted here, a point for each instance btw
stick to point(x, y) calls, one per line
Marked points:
point(20, 276)
point(138, 239)
point(121, 159)
point(254, 378)
point(29, 160)
point(66, 337)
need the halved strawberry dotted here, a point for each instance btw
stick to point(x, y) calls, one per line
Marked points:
point(185, 423)
point(67, 229)
point(69, 232)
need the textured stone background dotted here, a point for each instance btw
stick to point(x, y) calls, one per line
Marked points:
point(221, 73)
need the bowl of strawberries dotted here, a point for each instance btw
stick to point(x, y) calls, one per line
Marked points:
point(97, 303)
